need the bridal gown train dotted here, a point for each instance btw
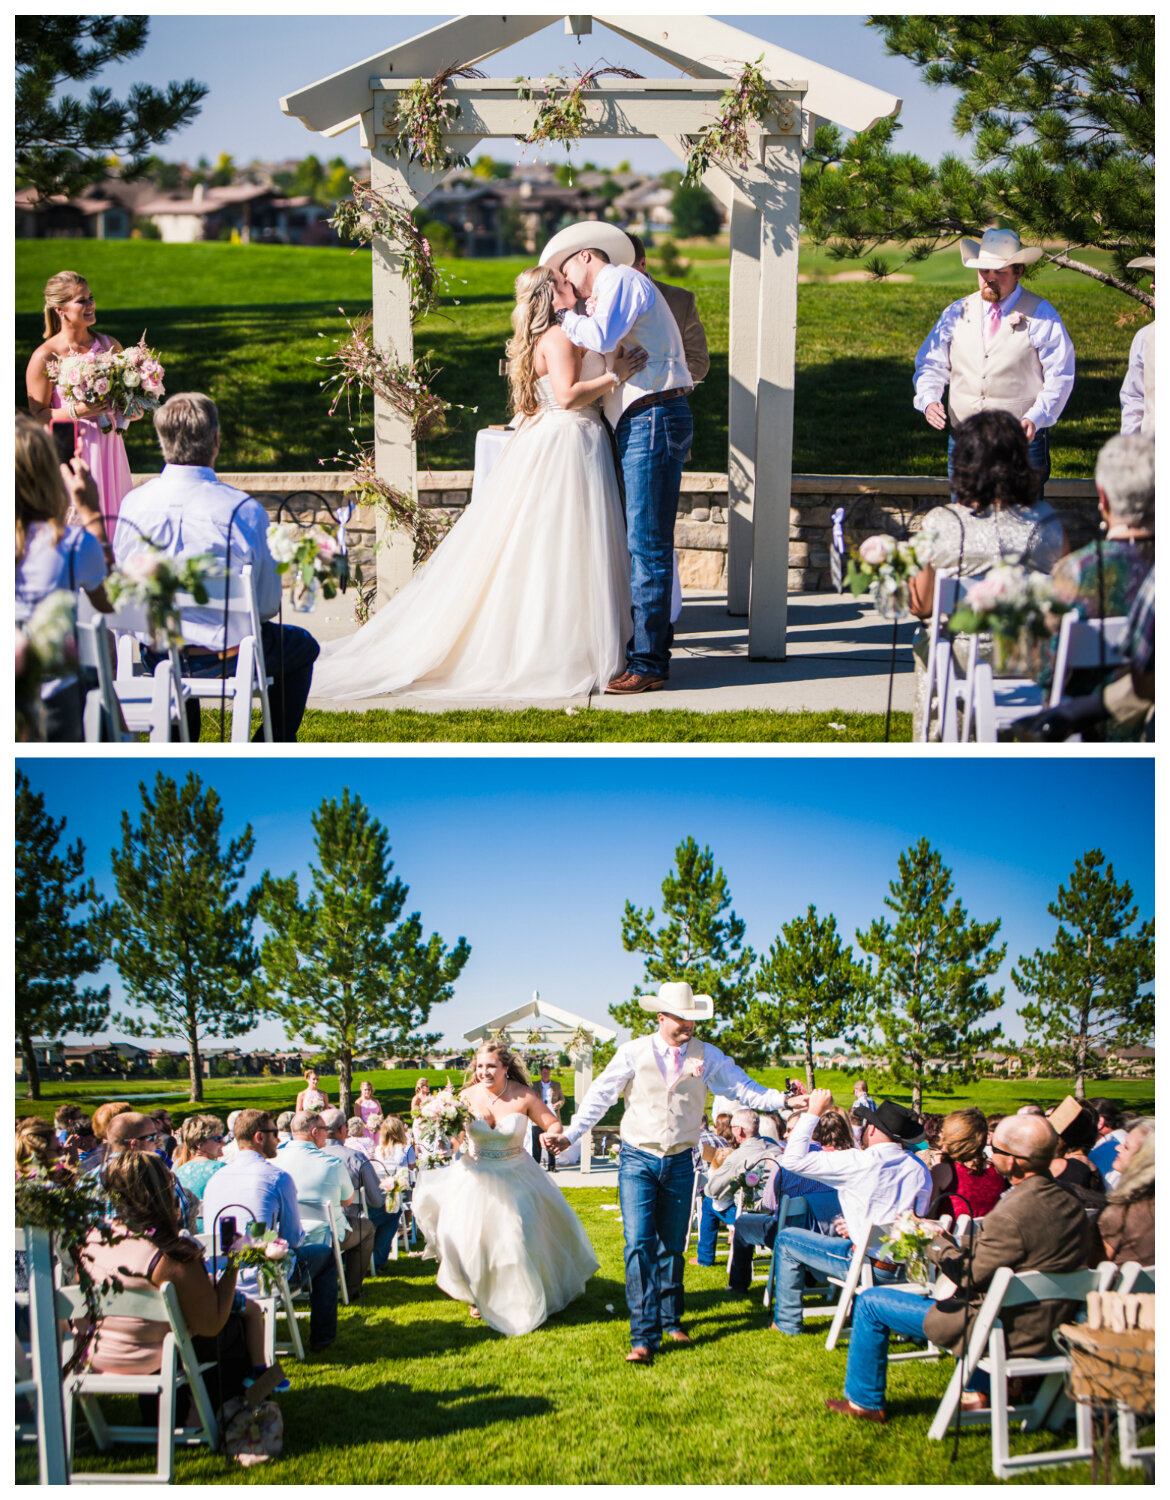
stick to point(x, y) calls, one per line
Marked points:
point(528, 596)
point(505, 1238)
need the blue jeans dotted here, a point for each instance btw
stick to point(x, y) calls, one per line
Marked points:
point(796, 1250)
point(655, 1197)
point(751, 1231)
point(318, 1261)
point(289, 654)
point(1037, 457)
point(877, 1312)
point(385, 1223)
point(710, 1219)
point(653, 445)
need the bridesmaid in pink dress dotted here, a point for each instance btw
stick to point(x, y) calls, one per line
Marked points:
point(371, 1113)
point(69, 317)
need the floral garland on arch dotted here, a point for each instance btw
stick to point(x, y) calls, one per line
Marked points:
point(368, 214)
point(422, 116)
point(747, 102)
point(563, 113)
point(362, 366)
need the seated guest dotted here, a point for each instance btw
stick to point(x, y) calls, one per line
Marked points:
point(772, 1128)
point(1126, 1223)
point(995, 517)
point(757, 1228)
point(358, 1246)
point(198, 1156)
point(37, 1146)
point(283, 1121)
point(66, 1116)
point(151, 1250)
point(167, 1141)
point(320, 1178)
point(251, 1188)
point(393, 1150)
point(963, 1169)
point(718, 1205)
point(833, 1131)
point(355, 1135)
point(1103, 578)
point(1110, 1134)
point(1035, 1227)
point(1076, 1128)
point(931, 1129)
point(100, 1123)
point(874, 1185)
point(186, 510)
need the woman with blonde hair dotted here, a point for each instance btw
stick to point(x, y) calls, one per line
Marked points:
point(200, 1154)
point(528, 596)
point(37, 1145)
point(964, 1180)
point(506, 1241)
point(70, 314)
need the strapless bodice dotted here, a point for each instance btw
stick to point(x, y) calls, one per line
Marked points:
point(494, 1142)
point(592, 366)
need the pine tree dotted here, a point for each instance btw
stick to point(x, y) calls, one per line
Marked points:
point(64, 144)
point(181, 942)
point(340, 969)
point(810, 987)
point(1060, 112)
point(696, 942)
point(927, 990)
point(53, 951)
point(1090, 988)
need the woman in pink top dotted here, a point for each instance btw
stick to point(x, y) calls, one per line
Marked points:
point(371, 1113)
point(151, 1251)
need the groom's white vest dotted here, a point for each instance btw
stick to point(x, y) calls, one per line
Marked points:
point(666, 365)
point(661, 1120)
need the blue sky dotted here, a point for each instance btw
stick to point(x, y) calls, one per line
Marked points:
point(532, 858)
point(251, 61)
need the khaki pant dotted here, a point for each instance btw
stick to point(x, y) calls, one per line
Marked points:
point(357, 1249)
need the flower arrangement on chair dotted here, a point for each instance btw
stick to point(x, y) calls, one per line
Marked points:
point(883, 567)
point(264, 1251)
point(906, 1244)
point(315, 558)
point(153, 580)
point(1017, 606)
point(752, 1182)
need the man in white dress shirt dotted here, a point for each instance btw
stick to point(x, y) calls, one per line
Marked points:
point(554, 1096)
point(1001, 349)
point(649, 415)
point(187, 510)
point(874, 1185)
point(1137, 389)
point(664, 1078)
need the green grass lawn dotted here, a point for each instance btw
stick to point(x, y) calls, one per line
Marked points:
point(242, 323)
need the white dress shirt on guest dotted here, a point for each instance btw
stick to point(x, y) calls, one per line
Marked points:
point(1047, 335)
point(186, 510)
point(1133, 387)
point(874, 1185)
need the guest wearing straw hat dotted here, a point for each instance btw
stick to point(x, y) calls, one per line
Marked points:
point(1002, 348)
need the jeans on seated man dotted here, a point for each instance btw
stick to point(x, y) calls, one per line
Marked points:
point(188, 511)
point(874, 1185)
point(1034, 1227)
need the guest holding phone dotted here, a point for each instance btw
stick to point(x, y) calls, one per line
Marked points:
point(70, 314)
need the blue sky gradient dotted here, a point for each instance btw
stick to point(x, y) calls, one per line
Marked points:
point(532, 858)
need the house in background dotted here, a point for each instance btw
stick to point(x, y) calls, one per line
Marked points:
point(104, 212)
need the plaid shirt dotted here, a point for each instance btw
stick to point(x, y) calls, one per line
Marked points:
point(1139, 644)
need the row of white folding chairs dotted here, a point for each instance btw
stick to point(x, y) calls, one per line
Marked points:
point(151, 704)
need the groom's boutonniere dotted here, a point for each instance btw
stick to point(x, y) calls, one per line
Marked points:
point(693, 1067)
point(590, 306)
point(1016, 320)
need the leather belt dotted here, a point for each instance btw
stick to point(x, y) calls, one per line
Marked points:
point(886, 1265)
point(207, 651)
point(655, 398)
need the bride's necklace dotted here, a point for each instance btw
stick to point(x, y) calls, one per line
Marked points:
point(496, 1098)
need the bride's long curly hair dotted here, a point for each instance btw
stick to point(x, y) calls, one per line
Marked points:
point(531, 318)
point(512, 1065)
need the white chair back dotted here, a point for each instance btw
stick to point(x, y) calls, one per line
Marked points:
point(1087, 644)
point(314, 1213)
point(942, 679)
point(246, 676)
point(101, 718)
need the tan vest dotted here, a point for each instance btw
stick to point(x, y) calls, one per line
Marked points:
point(1006, 377)
point(666, 365)
point(657, 1119)
point(1148, 381)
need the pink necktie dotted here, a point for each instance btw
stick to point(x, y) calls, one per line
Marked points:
point(991, 327)
point(673, 1066)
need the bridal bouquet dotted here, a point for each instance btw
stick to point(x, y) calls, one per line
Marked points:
point(906, 1244)
point(129, 381)
point(266, 1253)
point(883, 568)
point(436, 1122)
point(153, 580)
point(315, 558)
point(752, 1182)
point(1015, 605)
point(85, 379)
point(140, 381)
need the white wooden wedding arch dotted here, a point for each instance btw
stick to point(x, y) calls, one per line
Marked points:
point(763, 200)
point(540, 1028)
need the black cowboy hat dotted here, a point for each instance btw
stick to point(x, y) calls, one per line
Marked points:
point(894, 1120)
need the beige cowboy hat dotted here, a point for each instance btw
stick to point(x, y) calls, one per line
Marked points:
point(590, 234)
point(1143, 263)
point(680, 1001)
point(998, 248)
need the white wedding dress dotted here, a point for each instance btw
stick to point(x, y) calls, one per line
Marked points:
point(528, 596)
point(505, 1238)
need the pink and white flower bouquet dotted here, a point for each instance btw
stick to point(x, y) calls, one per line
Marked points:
point(267, 1254)
point(752, 1183)
point(152, 579)
point(129, 382)
point(314, 557)
point(85, 379)
point(46, 647)
point(906, 1245)
point(883, 568)
point(1015, 605)
point(436, 1123)
point(139, 380)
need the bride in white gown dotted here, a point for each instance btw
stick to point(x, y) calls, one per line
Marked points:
point(529, 595)
point(506, 1240)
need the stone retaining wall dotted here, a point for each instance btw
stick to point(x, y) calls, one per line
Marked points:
point(872, 503)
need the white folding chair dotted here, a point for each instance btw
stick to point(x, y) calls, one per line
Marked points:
point(997, 702)
point(987, 1351)
point(793, 1210)
point(943, 679)
point(234, 594)
point(314, 1213)
point(180, 1367)
point(149, 704)
point(100, 716)
point(37, 1371)
point(1085, 644)
point(859, 1275)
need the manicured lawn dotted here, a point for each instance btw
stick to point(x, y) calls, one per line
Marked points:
point(242, 323)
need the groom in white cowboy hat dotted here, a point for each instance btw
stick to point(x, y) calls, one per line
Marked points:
point(1001, 349)
point(665, 1078)
point(649, 415)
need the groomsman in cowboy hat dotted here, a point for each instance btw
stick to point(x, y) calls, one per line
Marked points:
point(1137, 389)
point(1001, 349)
point(648, 413)
point(665, 1078)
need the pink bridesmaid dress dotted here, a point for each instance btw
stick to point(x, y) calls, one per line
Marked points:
point(105, 453)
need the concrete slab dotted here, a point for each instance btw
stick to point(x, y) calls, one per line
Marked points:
point(839, 659)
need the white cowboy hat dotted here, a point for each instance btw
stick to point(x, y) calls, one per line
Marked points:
point(1143, 263)
point(680, 1001)
point(998, 248)
point(590, 234)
